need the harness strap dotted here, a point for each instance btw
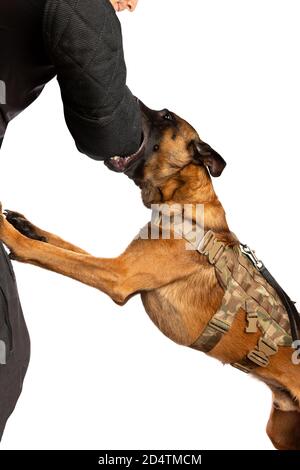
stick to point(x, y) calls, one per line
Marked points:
point(222, 321)
point(293, 313)
point(259, 356)
point(244, 288)
point(266, 346)
point(248, 286)
point(211, 247)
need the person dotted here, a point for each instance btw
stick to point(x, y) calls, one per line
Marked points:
point(79, 42)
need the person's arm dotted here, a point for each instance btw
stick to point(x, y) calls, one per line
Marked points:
point(84, 42)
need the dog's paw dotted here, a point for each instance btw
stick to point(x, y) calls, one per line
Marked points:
point(12, 256)
point(20, 223)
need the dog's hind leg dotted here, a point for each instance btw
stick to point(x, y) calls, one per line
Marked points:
point(30, 230)
point(283, 427)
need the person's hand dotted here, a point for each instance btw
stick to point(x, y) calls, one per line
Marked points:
point(121, 5)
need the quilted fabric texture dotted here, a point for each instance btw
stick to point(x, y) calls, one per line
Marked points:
point(84, 42)
point(24, 67)
point(80, 41)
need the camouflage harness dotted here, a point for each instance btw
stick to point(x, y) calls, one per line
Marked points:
point(238, 272)
point(245, 288)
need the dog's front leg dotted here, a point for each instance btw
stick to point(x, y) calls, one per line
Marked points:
point(145, 265)
point(102, 274)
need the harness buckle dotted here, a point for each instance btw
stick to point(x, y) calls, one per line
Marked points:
point(267, 345)
point(265, 348)
point(216, 252)
point(252, 319)
point(258, 357)
point(211, 247)
point(206, 242)
point(219, 325)
point(246, 250)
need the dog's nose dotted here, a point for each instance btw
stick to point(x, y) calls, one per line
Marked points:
point(151, 114)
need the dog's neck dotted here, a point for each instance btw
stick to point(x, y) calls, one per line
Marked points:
point(193, 185)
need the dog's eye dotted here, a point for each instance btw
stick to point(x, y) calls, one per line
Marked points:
point(156, 148)
point(168, 116)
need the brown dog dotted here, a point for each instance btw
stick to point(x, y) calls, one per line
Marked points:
point(179, 288)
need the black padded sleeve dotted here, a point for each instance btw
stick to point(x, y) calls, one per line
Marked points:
point(84, 41)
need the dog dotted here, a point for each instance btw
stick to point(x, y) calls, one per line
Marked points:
point(178, 287)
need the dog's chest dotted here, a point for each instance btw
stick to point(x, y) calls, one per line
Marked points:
point(181, 309)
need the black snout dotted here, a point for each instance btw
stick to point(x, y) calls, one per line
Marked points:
point(154, 125)
point(147, 112)
point(156, 117)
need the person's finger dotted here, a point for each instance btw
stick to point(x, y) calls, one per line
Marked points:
point(131, 5)
point(121, 5)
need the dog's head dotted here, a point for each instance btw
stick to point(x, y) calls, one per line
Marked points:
point(169, 145)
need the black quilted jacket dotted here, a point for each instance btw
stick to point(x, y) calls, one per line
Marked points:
point(80, 42)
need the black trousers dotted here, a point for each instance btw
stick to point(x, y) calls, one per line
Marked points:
point(14, 341)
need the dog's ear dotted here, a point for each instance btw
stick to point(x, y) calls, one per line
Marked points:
point(207, 156)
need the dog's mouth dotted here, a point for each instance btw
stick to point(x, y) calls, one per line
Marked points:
point(120, 164)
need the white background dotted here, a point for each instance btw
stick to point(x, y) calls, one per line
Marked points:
point(102, 376)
